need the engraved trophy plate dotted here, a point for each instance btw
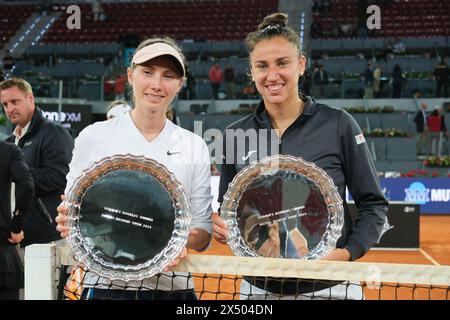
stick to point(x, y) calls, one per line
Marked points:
point(128, 216)
point(283, 207)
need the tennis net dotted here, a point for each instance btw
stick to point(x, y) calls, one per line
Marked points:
point(234, 278)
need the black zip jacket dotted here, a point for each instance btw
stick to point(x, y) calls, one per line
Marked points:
point(13, 168)
point(331, 139)
point(47, 147)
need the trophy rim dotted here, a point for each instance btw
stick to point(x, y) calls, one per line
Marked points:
point(182, 211)
point(308, 169)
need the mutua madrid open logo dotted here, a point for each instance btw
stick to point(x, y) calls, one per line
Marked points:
point(418, 193)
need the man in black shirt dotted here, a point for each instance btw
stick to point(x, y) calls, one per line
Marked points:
point(441, 73)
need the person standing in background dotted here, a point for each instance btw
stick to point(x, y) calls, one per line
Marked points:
point(441, 74)
point(47, 147)
point(368, 81)
point(229, 77)
point(422, 130)
point(320, 78)
point(120, 87)
point(215, 76)
point(434, 124)
point(377, 82)
point(13, 168)
point(443, 146)
point(397, 81)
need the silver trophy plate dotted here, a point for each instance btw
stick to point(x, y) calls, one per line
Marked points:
point(283, 207)
point(128, 216)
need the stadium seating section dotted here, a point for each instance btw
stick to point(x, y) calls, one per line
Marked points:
point(11, 19)
point(202, 20)
point(399, 19)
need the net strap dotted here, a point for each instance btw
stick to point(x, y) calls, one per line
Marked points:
point(329, 270)
point(293, 268)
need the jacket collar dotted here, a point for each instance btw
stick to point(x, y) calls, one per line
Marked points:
point(263, 119)
point(36, 122)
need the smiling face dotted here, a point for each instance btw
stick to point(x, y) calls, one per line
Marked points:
point(276, 67)
point(18, 105)
point(155, 84)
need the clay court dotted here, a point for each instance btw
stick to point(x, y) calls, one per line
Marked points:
point(434, 250)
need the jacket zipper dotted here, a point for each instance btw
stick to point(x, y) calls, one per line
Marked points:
point(279, 145)
point(45, 210)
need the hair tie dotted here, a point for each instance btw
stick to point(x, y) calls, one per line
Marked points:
point(273, 27)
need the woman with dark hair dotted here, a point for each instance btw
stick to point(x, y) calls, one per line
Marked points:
point(318, 133)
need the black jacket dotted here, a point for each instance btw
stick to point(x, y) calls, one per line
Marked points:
point(327, 137)
point(442, 73)
point(13, 168)
point(420, 121)
point(48, 150)
point(443, 124)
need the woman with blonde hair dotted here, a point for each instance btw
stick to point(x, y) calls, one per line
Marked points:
point(156, 75)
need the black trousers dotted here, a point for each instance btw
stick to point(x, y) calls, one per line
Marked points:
point(8, 294)
point(215, 89)
point(439, 87)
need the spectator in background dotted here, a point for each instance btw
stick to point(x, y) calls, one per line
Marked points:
point(305, 82)
point(117, 108)
point(108, 89)
point(422, 129)
point(316, 29)
point(190, 84)
point(229, 78)
point(368, 81)
point(120, 87)
point(316, 7)
point(8, 61)
point(249, 91)
point(434, 123)
point(441, 74)
point(13, 168)
point(325, 5)
point(417, 94)
point(397, 81)
point(48, 150)
point(320, 78)
point(387, 49)
point(399, 47)
point(215, 76)
point(443, 146)
point(97, 9)
point(188, 91)
point(377, 82)
point(347, 29)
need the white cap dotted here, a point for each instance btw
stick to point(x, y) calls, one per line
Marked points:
point(156, 50)
point(118, 110)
